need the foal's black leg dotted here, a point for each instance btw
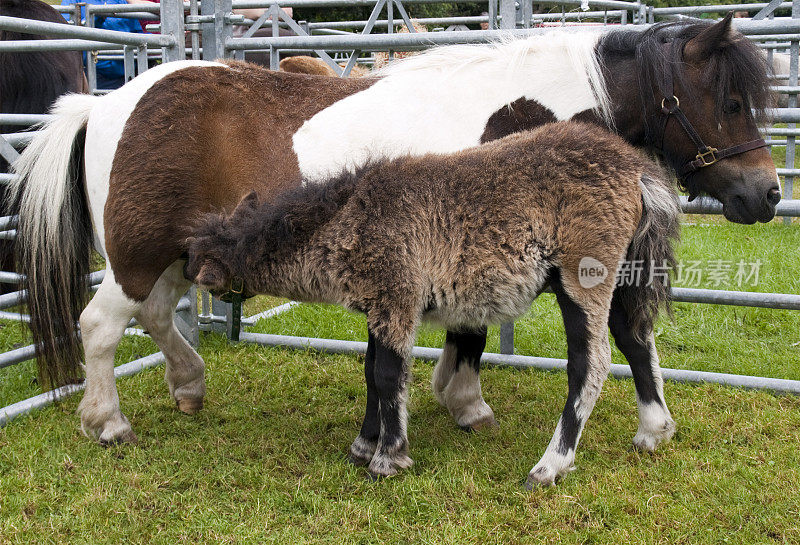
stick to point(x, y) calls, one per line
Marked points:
point(456, 380)
point(363, 448)
point(390, 374)
point(588, 362)
point(655, 422)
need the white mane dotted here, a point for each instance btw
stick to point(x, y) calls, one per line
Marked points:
point(507, 59)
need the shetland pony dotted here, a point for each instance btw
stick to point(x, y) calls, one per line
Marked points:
point(139, 191)
point(465, 240)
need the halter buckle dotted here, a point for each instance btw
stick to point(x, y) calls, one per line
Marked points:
point(677, 102)
point(237, 288)
point(704, 155)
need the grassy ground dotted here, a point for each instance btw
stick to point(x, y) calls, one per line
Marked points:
point(265, 460)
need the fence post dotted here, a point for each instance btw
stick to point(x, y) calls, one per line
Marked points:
point(508, 14)
point(186, 320)
point(172, 25)
point(215, 33)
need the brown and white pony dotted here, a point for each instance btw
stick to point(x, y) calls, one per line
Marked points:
point(186, 138)
point(464, 240)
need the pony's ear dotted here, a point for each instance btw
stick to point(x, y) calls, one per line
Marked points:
point(714, 38)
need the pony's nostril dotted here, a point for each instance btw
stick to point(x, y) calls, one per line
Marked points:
point(774, 196)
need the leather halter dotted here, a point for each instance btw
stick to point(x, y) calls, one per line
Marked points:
point(670, 107)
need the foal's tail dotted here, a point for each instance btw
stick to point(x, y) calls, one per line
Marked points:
point(55, 237)
point(652, 248)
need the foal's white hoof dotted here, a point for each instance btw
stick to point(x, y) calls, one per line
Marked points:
point(543, 475)
point(362, 451)
point(386, 464)
point(477, 417)
point(648, 440)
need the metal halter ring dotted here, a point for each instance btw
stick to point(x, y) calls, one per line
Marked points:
point(677, 102)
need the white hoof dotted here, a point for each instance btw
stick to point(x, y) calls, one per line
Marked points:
point(477, 417)
point(362, 451)
point(545, 475)
point(648, 439)
point(106, 425)
point(386, 466)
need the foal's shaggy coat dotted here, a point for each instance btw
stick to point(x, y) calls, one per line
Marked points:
point(464, 240)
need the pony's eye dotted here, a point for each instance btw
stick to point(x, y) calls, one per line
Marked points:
point(732, 106)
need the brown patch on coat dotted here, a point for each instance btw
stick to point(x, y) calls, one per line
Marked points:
point(303, 64)
point(199, 140)
point(521, 115)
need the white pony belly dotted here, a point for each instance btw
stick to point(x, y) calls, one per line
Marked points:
point(106, 123)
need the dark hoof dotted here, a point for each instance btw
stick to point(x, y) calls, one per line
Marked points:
point(486, 424)
point(190, 405)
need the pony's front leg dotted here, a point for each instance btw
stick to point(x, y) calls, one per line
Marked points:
point(588, 363)
point(655, 421)
point(456, 381)
point(363, 448)
point(391, 385)
point(103, 323)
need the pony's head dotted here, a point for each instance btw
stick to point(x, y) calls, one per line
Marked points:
point(703, 89)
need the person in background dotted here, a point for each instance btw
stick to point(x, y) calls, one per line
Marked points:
point(485, 26)
point(110, 73)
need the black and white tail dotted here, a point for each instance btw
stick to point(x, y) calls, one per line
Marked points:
point(652, 247)
point(54, 237)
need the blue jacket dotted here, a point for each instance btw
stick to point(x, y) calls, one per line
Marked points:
point(109, 69)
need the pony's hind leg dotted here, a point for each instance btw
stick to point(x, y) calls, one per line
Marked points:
point(585, 317)
point(363, 448)
point(655, 421)
point(103, 323)
point(185, 369)
point(456, 380)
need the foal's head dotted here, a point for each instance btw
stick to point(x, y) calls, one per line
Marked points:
point(719, 82)
point(215, 250)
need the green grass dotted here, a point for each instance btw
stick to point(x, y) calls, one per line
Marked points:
point(265, 460)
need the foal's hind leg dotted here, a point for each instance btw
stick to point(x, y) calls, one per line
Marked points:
point(456, 380)
point(185, 369)
point(103, 323)
point(585, 315)
point(655, 421)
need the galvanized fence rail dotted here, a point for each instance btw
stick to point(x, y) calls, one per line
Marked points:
point(209, 24)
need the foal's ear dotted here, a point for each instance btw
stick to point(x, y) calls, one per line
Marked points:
point(715, 37)
point(248, 201)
